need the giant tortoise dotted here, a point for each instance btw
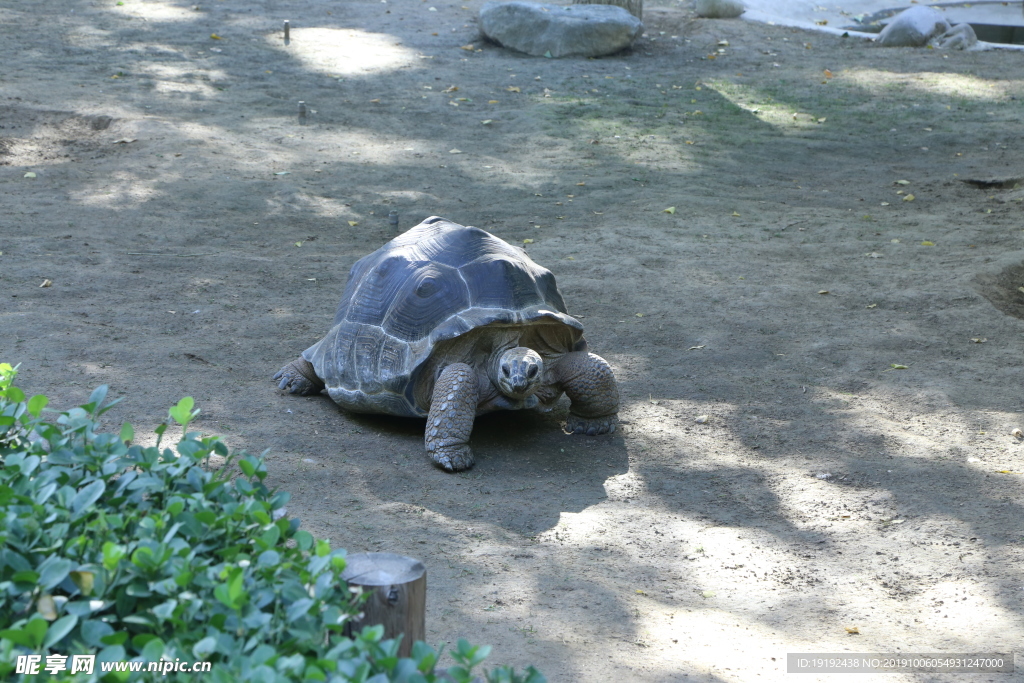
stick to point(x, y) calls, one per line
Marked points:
point(449, 322)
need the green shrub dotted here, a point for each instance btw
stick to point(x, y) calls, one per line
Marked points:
point(145, 554)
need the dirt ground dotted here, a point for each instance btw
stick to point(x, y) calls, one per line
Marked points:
point(829, 291)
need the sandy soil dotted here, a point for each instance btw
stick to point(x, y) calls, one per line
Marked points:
point(197, 238)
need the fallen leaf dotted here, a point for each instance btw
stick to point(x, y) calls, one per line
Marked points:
point(513, 88)
point(897, 366)
point(670, 209)
point(702, 419)
point(580, 184)
point(455, 151)
point(885, 203)
point(871, 306)
point(30, 174)
point(823, 22)
point(215, 36)
point(298, 244)
point(875, 254)
point(828, 74)
point(735, 214)
point(894, 241)
point(46, 607)
point(909, 198)
point(375, 100)
point(353, 224)
point(451, 88)
point(979, 340)
point(690, 142)
point(640, 592)
point(695, 348)
point(927, 243)
point(707, 594)
point(47, 283)
point(1017, 434)
point(124, 141)
point(486, 121)
point(468, 48)
point(902, 182)
point(548, 54)
point(282, 173)
point(853, 630)
point(823, 119)
point(492, 101)
point(527, 241)
point(639, 315)
point(822, 291)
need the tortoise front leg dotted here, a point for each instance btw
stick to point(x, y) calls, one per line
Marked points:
point(450, 422)
point(588, 381)
point(299, 377)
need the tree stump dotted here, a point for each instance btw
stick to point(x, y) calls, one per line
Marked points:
point(398, 595)
point(634, 7)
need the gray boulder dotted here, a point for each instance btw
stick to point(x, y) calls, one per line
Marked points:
point(913, 27)
point(553, 30)
point(720, 9)
point(960, 37)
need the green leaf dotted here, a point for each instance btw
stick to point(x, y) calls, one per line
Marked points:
point(271, 536)
point(222, 594)
point(247, 467)
point(53, 572)
point(97, 396)
point(87, 496)
point(36, 404)
point(112, 554)
point(36, 629)
point(303, 539)
point(182, 413)
point(15, 395)
point(127, 432)
point(59, 629)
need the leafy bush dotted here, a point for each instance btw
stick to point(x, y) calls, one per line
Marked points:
point(145, 554)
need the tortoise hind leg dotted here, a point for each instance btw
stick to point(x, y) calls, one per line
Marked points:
point(450, 422)
point(299, 377)
point(587, 380)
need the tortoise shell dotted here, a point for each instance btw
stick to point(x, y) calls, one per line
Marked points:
point(439, 293)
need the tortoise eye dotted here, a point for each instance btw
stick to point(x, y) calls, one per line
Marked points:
point(532, 372)
point(504, 370)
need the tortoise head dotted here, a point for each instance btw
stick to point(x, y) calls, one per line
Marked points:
point(519, 372)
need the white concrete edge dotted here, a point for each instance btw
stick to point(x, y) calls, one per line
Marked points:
point(773, 20)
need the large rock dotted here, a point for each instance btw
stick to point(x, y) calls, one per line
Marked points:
point(913, 28)
point(634, 7)
point(552, 30)
point(720, 9)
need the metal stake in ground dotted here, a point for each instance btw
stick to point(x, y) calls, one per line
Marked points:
point(398, 599)
point(302, 113)
point(287, 31)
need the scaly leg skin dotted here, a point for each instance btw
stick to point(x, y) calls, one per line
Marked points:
point(588, 381)
point(450, 422)
point(299, 377)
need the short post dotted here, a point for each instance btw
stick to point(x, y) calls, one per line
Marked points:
point(287, 31)
point(302, 113)
point(398, 595)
